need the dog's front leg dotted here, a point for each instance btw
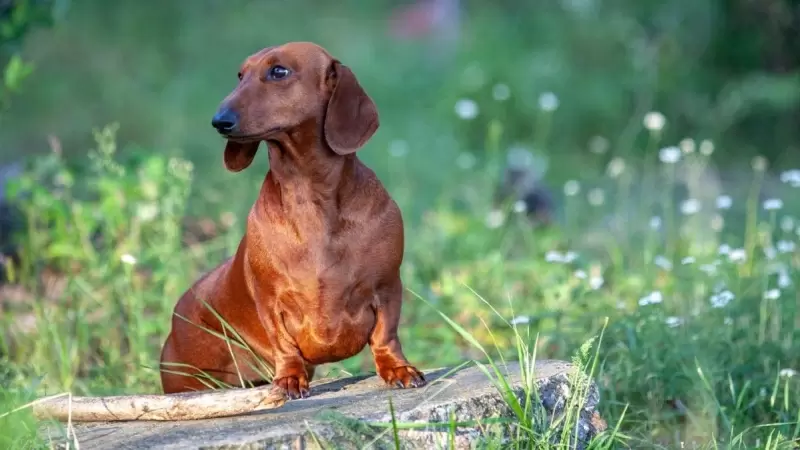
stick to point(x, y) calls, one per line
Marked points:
point(292, 372)
point(390, 362)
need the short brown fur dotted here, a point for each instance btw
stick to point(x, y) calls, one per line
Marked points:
point(316, 276)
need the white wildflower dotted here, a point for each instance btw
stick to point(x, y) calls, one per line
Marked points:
point(662, 262)
point(466, 109)
point(737, 255)
point(651, 299)
point(615, 167)
point(724, 249)
point(146, 212)
point(784, 280)
point(553, 256)
point(520, 320)
point(673, 321)
point(770, 252)
point(669, 155)
point(785, 246)
point(520, 206)
point(127, 258)
point(706, 147)
point(596, 282)
point(580, 274)
point(759, 163)
point(787, 373)
point(655, 222)
point(724, 202)
point(688, 260)
point(596, 197)
point(558, 257)
point(571, 188)
point(791, 177)
point(773, 204)
point(548, 101)
point(501, 92)
point(687, 145)
point(690, 206)
point(722, 299)
point(654, 121)
point(772, 294)
point(495, 219)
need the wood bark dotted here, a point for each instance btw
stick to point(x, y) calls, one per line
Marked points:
point(183, 406)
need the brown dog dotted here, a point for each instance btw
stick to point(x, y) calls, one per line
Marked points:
point(316, 276)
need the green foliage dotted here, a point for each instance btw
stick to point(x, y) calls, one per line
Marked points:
point(16, 72)
point(95, 231)
point(18, 18)
point(700, 348)
point(611, 61)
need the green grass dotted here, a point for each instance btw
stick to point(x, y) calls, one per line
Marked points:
point(700, 317)
point(672, 366)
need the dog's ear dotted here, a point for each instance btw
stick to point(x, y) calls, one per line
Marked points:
point(352, 117)
point(238, 156)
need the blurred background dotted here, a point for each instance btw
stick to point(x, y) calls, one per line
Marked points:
point(572, 155)
point(724, 70)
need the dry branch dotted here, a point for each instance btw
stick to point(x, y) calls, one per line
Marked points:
point(183, 406)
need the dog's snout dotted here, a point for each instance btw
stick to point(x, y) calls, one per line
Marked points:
point(225, 120)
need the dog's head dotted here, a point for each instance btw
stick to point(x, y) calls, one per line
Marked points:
point(281, 88)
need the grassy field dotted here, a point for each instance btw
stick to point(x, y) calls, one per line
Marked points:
point(691, 277)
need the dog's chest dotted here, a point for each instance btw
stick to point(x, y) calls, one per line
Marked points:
point(325, 261)
point(308, 245)
point(338, 337)
point(331, 319)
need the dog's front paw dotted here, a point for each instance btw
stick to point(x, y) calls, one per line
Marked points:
point(295, 386)
point(403, 377)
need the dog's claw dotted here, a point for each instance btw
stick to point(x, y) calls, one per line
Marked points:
point(403, 377)
point(294, 387)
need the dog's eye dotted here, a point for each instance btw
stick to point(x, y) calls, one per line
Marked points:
point(277, 73)
point(240, 76)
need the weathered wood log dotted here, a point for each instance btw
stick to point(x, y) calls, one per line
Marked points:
point(183, 406)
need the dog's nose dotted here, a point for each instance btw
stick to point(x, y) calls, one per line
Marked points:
point(225, 120)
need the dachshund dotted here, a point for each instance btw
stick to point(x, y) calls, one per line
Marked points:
point(316, 276)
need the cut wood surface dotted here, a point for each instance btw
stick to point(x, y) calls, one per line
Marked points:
point(183, 406)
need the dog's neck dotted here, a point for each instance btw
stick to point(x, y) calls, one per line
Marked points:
point(300, 160)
